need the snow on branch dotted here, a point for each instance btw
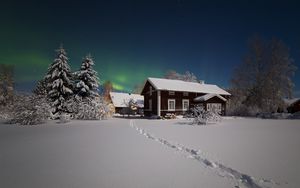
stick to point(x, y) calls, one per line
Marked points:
point(202, 117)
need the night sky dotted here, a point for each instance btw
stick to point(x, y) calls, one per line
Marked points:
point(132, 40)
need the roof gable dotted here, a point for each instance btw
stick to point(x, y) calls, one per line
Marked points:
point(179, 85)
point(207, 97)
point(146, 84)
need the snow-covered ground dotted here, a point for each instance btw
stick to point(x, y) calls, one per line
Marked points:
point(151, 153)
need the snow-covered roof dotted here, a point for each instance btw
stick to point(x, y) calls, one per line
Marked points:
point(208, 96)
point(179, 85)
point(290, 102)
point(120, 99)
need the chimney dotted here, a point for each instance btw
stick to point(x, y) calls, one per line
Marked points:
point(201, 82)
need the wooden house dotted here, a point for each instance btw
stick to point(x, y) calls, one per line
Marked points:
point(120, 102)
point(165, 96)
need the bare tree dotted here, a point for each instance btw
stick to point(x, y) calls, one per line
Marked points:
point(131, 107)
point(108, 87)
point(187, 76)
point(138, 88)
point(264, 78)
point(173, 75)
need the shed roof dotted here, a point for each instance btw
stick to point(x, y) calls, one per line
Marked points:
point(121, 99)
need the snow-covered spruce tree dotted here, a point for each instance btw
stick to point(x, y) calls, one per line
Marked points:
point(59, 83)
point(89, 104)
point(87, 81)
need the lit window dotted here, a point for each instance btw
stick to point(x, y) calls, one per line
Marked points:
point(171, 92)
point(171, 104)
point(185, 104)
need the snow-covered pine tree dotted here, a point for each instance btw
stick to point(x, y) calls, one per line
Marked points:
point(59, 83)
point(89, 103)
point(87, 81)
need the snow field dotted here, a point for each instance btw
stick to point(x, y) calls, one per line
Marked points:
point(151, 153)
point(266, 150)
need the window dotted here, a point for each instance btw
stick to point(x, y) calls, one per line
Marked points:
point(208, 107)
point(171, 104)
point(185, 94)
point(216, 107)
point(150, 90)
point(185, 104)
point(150, 104)
point(171, 92)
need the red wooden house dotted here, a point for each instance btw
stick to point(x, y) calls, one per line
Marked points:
point(165, 96)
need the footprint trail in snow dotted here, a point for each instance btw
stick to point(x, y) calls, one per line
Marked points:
point(240, 179)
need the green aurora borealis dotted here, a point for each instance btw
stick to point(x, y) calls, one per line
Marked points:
point(29, 44)
point(31, 49)
point(133, 40)
point(30, 67)
point(32, 53)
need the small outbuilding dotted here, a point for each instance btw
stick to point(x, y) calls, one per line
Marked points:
point(123, 101)
point(213, 102)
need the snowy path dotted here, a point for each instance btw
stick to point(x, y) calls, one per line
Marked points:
point(240, 179)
